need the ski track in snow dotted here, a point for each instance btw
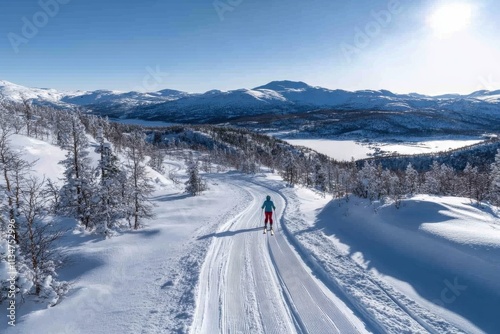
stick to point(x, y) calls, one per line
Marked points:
point(381, 307)
point(252, 282)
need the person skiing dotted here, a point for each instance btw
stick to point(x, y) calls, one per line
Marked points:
point(268, 207)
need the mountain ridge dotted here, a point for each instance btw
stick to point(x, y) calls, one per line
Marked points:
point(278, 85)
point(286, 105)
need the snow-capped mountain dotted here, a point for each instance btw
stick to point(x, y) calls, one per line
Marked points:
point(276, 93)
point(11, 92)
point(378, 110)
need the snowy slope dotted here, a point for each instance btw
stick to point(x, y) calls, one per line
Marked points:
point(203, 265)
point(437, 257)
point(11, 92)
point(111, 292)
point(147, 281)
point(43, 154)
point(118, 98)
point(261, 283)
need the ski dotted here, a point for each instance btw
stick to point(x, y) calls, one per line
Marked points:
point(265, 230)
point(272, 232)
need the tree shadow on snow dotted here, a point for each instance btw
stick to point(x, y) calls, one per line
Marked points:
point(230, 233)
point(172, 197)
point(398, 249)
point(142, 232)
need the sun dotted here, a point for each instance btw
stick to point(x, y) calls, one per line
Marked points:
point(450, 19)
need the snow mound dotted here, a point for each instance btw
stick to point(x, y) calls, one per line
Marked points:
point(443, 252)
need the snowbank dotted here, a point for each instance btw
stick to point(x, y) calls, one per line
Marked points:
point(442, 252)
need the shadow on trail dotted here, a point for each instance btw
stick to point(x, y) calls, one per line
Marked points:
point(169, 198)
point(230, 233)
point(398, 248)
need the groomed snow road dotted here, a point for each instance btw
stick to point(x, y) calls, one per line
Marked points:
point(252, 282)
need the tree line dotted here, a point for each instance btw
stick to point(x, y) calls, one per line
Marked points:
point(247, 151)
point(111, 191)
point(101, 195)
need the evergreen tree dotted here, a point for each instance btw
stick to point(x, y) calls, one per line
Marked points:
point(79, 187)
point(139, 187)
point(290, 169)
point(495, 179)
point(432, 184)
point(320, 177)
point(447, 180)
point(370, 181)
point(411, 184)
point(195, 185)
point(110, 208)
point(470, 178)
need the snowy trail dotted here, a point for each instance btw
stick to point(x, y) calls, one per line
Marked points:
point(256, 283)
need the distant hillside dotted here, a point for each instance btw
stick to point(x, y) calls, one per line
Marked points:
point(285, 106)
point(481, 154)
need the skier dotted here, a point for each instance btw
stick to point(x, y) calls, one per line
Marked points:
point(269, 207)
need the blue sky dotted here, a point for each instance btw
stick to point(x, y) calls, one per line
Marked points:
point(197, 45)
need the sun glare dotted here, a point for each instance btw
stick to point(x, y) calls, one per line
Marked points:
point(450, 18)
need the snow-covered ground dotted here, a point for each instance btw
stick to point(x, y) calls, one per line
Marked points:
point(255, 283)
point(347, 149)
point(203, 265)
point(437, 258)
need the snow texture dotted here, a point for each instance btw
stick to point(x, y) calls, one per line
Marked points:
point(203, 265)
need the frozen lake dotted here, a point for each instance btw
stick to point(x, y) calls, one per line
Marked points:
point(347, 149)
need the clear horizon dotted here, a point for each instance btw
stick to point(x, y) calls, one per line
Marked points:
point(431, 48)
point(215, 88)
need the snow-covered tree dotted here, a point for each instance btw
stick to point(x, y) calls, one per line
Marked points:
point(470, 178)
point(370, 181)
point(290, 169)
point(432, 183)
point(26, 109)
point(110, 204)
point(348, 177)
point(20, 169)
point(249, 164)
point(59, 124)
point(320, 177)
point(195, 185)
point(206, 163)
point(37, 236)
point(411, 182)
point(157, 159)
point(79, 187)
point(139, 187)
point(393, 186)
point(495, 179)
point(7, 167)
point(447, 180)
point(53, 195)
point(306, 168)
